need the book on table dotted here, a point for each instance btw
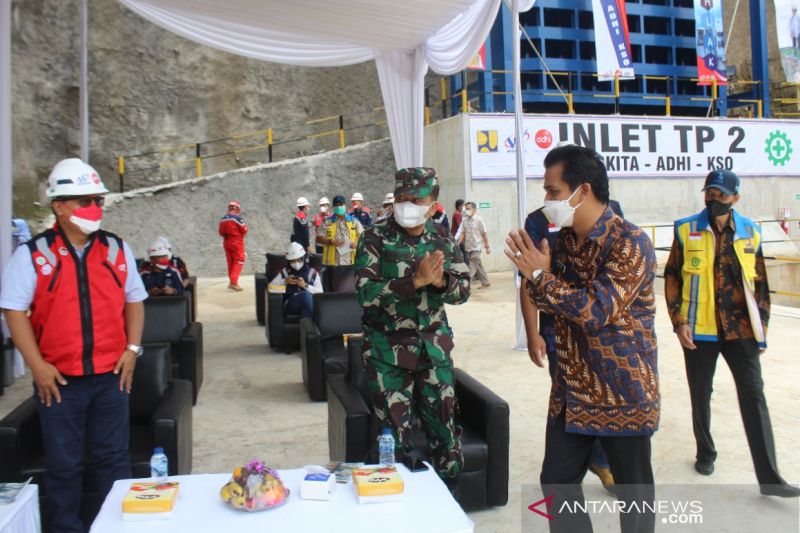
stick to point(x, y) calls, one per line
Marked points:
point(150, 500)
point(374, 484)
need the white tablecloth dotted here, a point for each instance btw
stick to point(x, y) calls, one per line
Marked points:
point(427, 508)
point(22, 516)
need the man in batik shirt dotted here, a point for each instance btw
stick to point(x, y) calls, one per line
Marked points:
point(599, 286)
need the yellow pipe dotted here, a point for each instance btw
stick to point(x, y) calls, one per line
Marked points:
point(443, 89)
point(323, 134)
point(570, 108)
point(341, 137)
point(269, 136)
point(616, 86)
point(668, 101)
point(198, 166)
point(427, 115)
point(464, 101)
point(121, 165)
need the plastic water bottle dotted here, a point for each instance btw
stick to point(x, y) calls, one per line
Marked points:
point(158, 465)
point(386, 447)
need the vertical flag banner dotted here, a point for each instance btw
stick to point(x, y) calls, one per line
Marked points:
point(611, 40)
point(787, 24)
point(710, 42)
point(479, 61)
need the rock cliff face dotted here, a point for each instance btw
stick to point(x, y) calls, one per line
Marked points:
point(150, 88)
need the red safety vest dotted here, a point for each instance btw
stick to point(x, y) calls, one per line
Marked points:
point(78, 309)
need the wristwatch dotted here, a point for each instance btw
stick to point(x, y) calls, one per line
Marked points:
point(136, 349)
point(536, 273)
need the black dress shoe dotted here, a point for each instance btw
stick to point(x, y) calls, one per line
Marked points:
point(784, 490)
point(704, 466)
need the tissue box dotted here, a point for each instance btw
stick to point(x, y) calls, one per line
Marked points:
point(317, 486)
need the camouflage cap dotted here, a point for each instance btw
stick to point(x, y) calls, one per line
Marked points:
point(416, 181)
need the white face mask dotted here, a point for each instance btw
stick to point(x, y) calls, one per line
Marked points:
point(162, 267)
point(297, 265)
point(560, 212)
point(86, 226)
point(410, 215)
point(323, 209)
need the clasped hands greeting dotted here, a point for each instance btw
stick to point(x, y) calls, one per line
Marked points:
point(525, 255)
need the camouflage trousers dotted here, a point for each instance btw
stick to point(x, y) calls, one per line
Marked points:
point(427, 392)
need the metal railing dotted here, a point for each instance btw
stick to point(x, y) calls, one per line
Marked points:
point(262, 142)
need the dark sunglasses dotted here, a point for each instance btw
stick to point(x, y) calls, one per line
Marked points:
point(99, 201)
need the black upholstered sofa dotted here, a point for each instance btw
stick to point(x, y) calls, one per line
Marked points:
point(483, 415)
point(160, 415)
point(166, 319)
point(321, 338)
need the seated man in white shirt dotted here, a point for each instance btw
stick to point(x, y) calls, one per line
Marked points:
point(298, 282)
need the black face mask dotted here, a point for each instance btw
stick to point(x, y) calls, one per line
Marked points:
point(717, 208)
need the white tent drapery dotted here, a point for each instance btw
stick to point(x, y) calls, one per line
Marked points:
point(404, 39)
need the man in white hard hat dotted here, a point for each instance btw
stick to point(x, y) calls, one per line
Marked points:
point(159, 278)
point(174, 261)
point(388, 208)
point(300, 225)
point(73, 302)
point(319, 221)
point(358, 210)
point(298, 282)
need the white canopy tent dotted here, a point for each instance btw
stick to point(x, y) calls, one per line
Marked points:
point(404, 38)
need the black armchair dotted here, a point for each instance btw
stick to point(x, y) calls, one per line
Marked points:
point(321, 343)
point(261, 296)
point(339, 279)
point(160, 415)
point(166, 320)
point(191, 290)
point(484, 417)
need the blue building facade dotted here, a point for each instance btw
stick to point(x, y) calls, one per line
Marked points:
point(662, 35)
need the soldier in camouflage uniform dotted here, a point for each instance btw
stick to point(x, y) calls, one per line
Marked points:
point(407, 268)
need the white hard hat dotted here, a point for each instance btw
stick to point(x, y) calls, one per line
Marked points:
point(295, 251)
point(389, 198)
point(324, 200)
point(302, 201)
point(73, 177)
point(166, 243)
point(158, 248)
point(357, 196)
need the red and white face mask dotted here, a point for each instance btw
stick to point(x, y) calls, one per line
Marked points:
point(88, 218)
point(161, 262)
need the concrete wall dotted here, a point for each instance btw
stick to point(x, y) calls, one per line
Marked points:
point(647, 202)
point(188, 212)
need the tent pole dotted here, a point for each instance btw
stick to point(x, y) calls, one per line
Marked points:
point(519, 129)
point(84, 92)
point(6, 166)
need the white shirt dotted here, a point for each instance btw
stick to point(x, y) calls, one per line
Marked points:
point(278, 283)
point(473, 230)
point(19, 280)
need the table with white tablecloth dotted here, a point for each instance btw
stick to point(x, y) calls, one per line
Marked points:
point(427, 507)
point(22, 515)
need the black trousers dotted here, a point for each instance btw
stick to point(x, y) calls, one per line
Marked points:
point(566, 459)
point(743, 359)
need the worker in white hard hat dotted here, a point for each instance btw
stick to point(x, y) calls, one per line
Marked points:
point(358, 210)
point(298, 282)
point(301, 225)
point(73, 302)
point(388, 208)
point(159, 278)
point(174, 261)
